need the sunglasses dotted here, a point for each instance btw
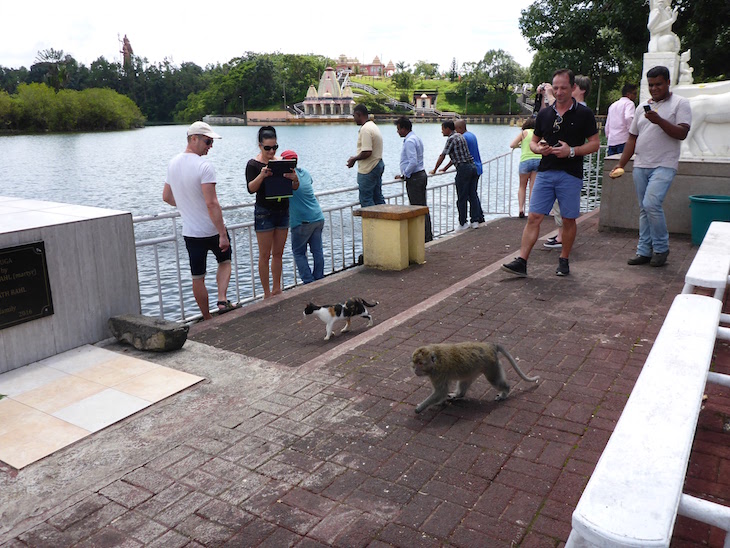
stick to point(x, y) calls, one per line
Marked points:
point(267, 148)
point(556, 123)
point(208, 141)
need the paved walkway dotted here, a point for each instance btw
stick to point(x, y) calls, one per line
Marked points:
point(296, 441)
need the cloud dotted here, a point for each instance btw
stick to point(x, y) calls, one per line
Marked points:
point(215, 32)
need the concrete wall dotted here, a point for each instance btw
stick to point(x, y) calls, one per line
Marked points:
point(619, 206)
point(92, 268)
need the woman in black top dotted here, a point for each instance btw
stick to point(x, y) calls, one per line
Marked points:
point(271, 217)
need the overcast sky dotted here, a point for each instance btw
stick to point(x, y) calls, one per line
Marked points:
point(212, 32)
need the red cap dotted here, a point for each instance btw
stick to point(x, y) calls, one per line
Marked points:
point(289, 155)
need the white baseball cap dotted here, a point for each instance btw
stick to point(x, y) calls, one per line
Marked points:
point(201, 128)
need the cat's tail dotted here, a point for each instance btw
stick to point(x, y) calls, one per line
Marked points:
point(369, 304)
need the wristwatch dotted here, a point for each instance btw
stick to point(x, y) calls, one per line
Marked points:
point(572, 152)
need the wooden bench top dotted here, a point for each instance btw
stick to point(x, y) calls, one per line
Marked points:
point(634, 492)
point(391, 212)
point(711, 265)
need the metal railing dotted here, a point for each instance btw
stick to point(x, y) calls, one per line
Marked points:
point(166, 287)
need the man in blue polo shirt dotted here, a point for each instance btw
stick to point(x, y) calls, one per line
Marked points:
point(475, 204)
point(564, 133)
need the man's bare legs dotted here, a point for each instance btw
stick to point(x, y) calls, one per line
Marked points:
point(530, 234)
point(222, 278)
point(570, 229)
point(200, 292)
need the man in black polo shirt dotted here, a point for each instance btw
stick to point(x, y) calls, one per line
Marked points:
point(466, 170)
point(564, 133)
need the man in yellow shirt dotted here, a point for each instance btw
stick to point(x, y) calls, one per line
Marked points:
point(369, 159)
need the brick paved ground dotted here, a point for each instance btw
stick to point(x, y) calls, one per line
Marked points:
point(298, 441)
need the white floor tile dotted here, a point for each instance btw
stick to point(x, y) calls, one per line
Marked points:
point(78, 359)
point(27, 378)
point(101, 410)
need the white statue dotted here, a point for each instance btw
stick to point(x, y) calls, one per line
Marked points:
point(685, 71)
point(661, 19)
point(709, 112)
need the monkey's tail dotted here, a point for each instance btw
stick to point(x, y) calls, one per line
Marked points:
point(512, 361)
point(367, 303)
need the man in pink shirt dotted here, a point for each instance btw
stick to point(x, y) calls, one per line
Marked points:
point(618, 121)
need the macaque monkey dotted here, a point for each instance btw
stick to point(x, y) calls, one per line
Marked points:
point(461, 362)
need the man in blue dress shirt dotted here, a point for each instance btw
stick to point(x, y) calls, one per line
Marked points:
point(411, 168)
point(475, 205)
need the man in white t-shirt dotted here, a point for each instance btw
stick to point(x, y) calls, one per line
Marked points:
point(656, 133)
point(369, 158)
point(190, 186)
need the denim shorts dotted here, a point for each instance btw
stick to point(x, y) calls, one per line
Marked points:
point(556, 184)
point(266, 220)
point(528, 166)
point(198, 252)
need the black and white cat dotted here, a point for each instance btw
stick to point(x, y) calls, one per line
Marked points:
point(330, 313)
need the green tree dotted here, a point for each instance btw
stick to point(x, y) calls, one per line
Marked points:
point(424, 69)
point(403, 78)
point(8, 112)
point(453, 73)
point(591, 38)
point(36, 104)
point(103, 74)
point(704, 27)
point(598, 39)
point(488, 84)
point(11, 78)
point(374, 103)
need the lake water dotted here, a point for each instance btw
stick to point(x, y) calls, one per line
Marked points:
point(126, 171)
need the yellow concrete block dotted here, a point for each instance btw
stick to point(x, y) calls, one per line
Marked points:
point(417, 240)
point(393, 235)
point(385, 243)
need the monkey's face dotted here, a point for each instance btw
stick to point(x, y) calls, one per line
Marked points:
point(422, 362)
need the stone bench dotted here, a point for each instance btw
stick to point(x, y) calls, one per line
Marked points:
point(635, 493)
point(711, 266)
point(393, 236)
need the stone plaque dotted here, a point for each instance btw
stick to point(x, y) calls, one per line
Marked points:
point(25, 291)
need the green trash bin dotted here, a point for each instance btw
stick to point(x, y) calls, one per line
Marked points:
point(705, 209)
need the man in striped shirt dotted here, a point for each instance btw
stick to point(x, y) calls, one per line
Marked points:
point(459, 156)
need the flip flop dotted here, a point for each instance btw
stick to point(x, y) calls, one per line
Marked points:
point(225, 306)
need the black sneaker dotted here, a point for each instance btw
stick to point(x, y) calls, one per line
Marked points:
point(518, 267)
point(563, 268)
point(638, 259)
point(658, 259)
point(553, 243)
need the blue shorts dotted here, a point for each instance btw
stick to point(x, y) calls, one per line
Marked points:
point(528, 166)
point(552, 185)
point(198, 253)
point(266, 220)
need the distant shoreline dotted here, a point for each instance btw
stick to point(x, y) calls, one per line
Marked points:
point(280, 117)
point(261, 118)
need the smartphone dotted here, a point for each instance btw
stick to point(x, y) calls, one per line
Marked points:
point(647, 108)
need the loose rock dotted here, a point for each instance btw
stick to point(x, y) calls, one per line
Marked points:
point(148, 333)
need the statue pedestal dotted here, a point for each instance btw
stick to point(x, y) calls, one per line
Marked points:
point(667, 59)
point(619, 208)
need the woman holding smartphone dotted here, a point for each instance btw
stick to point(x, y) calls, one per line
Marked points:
point(271, 217)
